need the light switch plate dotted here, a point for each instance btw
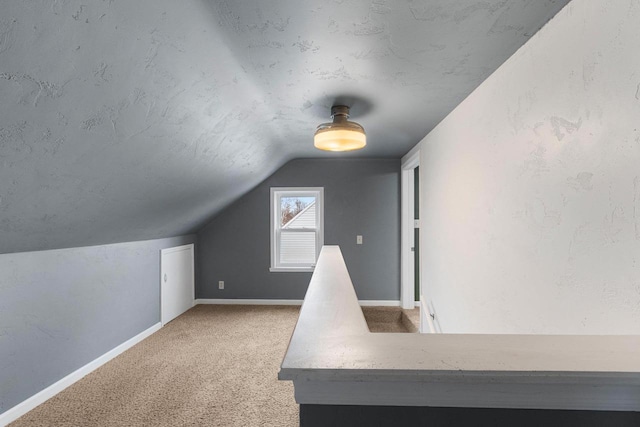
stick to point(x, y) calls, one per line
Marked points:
point(358, 240)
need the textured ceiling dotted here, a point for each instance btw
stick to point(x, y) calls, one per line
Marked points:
point(128, 120)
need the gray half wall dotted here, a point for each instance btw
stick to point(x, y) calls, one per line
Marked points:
point(350, 415)
point(61, 309)
point(360, 196)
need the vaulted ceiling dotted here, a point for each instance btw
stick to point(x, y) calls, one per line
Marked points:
point(129, 120)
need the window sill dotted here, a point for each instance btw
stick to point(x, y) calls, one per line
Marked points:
point(291, 269)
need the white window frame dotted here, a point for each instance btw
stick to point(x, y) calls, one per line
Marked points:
point(275, 195)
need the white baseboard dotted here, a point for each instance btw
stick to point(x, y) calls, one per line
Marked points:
point(241, 301)
point(378, 303)
point(22, 408)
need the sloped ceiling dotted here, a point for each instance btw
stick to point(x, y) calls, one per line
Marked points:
point(129, 120)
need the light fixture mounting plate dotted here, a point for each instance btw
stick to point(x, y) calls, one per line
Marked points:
point(340, 110)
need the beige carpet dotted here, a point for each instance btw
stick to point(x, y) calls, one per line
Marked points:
point(216, 365)
point(392, 319)
point(212, 366)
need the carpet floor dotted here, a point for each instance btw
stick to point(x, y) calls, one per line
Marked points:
point(392, 319)
point(215, 365)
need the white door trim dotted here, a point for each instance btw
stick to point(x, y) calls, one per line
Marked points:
point(407, 256)
point(190, 247)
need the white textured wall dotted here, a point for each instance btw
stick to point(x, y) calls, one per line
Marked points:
point(531, 186)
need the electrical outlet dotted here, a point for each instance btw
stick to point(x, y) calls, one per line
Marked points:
point(358, 239)
point(221, 284)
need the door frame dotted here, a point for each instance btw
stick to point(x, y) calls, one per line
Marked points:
point(191, 248)
point(407, 272)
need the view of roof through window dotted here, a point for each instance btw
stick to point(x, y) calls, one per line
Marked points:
point(291, 207)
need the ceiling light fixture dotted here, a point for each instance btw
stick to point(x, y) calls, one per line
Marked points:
point(341, 134)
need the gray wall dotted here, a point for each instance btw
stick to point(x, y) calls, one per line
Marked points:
point(360, 197)
point(61, 309)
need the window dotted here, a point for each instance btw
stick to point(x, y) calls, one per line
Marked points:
point(296, 228)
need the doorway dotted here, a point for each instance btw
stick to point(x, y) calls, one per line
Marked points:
point(416, 233)
point(410, 225)
point(177, 290)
